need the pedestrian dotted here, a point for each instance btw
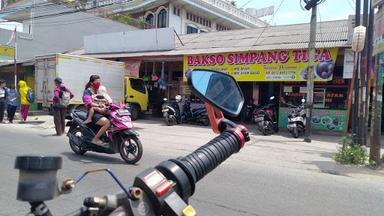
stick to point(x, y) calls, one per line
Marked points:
point(61, 98)
point(13, 103)
point(3, 100)
point(24, 103)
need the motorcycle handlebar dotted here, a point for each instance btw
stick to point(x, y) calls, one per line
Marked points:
point(206, 158)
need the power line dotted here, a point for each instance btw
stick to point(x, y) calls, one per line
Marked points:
point(351, 4)
point(265, 27)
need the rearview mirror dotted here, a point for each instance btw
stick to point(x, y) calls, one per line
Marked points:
point(219, 89)
point(303, 100)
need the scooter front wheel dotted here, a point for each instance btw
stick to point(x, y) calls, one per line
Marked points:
point(131, 149)
point(295, 132)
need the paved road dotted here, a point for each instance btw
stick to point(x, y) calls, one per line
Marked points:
point(271, 176)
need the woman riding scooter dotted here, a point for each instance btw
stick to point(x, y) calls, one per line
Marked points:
point(90, 89)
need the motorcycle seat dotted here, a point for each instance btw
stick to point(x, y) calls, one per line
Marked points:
point(81, 114)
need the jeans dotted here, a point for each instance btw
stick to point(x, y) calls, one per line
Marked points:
point(11, 110)
point(2, 109)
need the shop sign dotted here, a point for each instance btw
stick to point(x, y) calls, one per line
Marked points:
point(378, 41)
point(322, 119)
point(272, 65)
point(6, 53)
point(349, 57)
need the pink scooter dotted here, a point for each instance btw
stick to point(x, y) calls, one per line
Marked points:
point(120, 136)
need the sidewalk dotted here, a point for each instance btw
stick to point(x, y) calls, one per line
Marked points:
point(279, 150)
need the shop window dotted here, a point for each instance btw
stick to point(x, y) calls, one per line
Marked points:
point(138, 85)
point(192, 30)
point(176, 11)
point(149, 20)
point(162, 19)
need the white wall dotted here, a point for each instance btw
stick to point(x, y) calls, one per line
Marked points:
point(175, 21)
point(131, 41)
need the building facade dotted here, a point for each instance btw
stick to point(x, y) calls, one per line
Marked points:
point(185, 16)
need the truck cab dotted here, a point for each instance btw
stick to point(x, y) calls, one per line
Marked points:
point(136, 95)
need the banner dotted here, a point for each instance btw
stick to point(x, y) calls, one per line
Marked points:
point(132, 68)
point(272, 65)
point(349, 58)
point(322, 119)
point(6, 53)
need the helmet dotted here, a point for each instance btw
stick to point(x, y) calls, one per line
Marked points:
point(178, 98)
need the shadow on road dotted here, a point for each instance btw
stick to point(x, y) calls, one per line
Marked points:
point(91, 157)
point(334, 168)
point(160, 122)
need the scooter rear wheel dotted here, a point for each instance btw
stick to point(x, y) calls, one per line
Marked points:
point(131, 149)
point(72, 144)
point(204, 121)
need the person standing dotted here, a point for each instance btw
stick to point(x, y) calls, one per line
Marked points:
point(13, 103)
point(23, 92)
point(3, 100)
point(61, 98)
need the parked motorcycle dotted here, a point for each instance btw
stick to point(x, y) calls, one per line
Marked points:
point(163, 190)
point(120, 136)
point(297, 120)
point(265, 118)
point(198, 115)
point(171, 112)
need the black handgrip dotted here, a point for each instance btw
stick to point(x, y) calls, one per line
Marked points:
point(206, 158)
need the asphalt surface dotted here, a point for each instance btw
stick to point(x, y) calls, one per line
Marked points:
point(271, 176)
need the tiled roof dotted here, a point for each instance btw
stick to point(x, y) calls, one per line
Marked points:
point(329, 34)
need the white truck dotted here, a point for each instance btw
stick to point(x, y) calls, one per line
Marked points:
point(75, 72)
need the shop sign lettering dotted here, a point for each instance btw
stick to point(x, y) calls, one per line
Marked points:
point(272, 65)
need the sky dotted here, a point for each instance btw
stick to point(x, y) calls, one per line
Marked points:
point(290, 11)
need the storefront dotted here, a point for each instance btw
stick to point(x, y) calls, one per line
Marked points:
point(25, 71)
point(283, 74)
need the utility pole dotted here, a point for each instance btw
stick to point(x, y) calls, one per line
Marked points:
point(311, 67)
point(355, 109)
point(369, 47)
point(377, 95)
point(15, 56)
point(362, 135)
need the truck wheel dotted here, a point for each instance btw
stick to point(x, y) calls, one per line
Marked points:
point(135, 111)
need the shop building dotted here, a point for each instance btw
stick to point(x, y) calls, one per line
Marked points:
point(185, 16)
point(265, 61)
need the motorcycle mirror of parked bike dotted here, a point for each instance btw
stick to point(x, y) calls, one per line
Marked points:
point(218, 89)
point(303, 100)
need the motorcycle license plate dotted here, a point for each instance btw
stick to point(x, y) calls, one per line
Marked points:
point(259, 119)
point(123, 112)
